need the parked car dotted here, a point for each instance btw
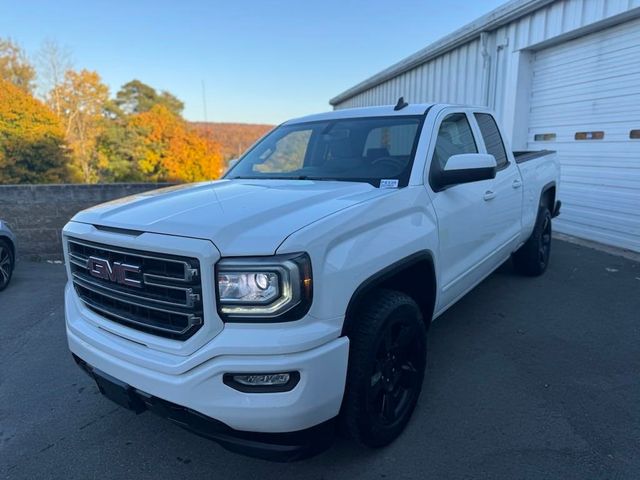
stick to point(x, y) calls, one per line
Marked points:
point(7, 254)
point(296, 293)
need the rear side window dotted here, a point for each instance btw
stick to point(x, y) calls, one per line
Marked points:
point(454, 137)
point(492, 139)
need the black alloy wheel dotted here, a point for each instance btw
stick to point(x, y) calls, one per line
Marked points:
point(395, 380)
point(387, 361)
point(532, 258)
point(544, 249)
point(6, 264)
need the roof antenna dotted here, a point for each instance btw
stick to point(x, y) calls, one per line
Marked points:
point(401, 104)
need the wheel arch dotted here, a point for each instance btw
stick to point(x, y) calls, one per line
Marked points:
point(406, 275)
point(11, 245)
point(548, 196)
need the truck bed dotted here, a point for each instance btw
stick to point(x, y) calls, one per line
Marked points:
point(526, 155)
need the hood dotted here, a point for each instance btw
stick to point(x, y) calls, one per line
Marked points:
point(241, 217)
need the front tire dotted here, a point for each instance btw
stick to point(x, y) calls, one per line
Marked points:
point(532, 259)
point(387, 360)
point(6, 264)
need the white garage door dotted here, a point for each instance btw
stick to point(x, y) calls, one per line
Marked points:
point(585, 103)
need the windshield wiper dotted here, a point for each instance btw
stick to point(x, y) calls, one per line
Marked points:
point(283, 177)
point(372, 181)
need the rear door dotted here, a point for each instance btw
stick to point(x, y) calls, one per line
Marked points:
point(504, 197)
point(468, 225)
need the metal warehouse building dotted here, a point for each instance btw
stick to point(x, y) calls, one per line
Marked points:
point(562, 75)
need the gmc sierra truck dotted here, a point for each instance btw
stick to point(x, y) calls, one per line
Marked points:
point(293, 297)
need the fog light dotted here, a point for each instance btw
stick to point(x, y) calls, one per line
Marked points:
point(262, 382)
point(263, 379)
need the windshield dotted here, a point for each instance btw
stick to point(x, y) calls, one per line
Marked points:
point(355, 149)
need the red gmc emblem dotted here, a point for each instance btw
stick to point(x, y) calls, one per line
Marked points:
point(113, 271)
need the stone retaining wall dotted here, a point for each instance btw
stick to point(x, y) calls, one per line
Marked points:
point(37, 213)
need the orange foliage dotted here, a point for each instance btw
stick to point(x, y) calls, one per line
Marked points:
point(234, 138)
point(81, 98)
point(170, 150)
point(32, 148)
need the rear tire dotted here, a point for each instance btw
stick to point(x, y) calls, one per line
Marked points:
point(532, 259)
point(387, 360)
point(6, 264)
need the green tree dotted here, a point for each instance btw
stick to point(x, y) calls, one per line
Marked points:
point(138, 97)
point(32, 148)
point(15, 67)
point(118, 149)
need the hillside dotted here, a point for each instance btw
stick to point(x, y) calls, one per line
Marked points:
point(234, 138)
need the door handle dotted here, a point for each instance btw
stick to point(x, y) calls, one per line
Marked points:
point(489, 194)
point(517, 183)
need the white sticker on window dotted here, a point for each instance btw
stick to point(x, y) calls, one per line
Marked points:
point(388, 183)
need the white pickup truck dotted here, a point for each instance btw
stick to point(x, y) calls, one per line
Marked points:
point(295, 294)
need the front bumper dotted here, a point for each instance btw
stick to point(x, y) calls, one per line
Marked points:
point(269, 446)
point(315, 399)
point(193, 394)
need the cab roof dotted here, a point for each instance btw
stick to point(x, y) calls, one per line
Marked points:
point(381, 111)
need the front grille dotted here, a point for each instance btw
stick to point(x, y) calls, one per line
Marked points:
point(167, 302)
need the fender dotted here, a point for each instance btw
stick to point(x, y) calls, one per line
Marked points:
point(388, 276)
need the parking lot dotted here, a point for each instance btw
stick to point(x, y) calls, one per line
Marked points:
point(527, 378)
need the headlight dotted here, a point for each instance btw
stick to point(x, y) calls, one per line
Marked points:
point(277, 288)
point(248, 287)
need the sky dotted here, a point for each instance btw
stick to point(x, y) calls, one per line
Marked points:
point(259, 61)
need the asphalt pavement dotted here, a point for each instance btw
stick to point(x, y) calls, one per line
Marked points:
point(528, 378)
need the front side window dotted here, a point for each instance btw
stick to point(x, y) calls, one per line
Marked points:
point(354, 149)
point(492, 139)
point(454, 137)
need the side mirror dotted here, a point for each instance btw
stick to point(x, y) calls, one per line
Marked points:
point(466, 168)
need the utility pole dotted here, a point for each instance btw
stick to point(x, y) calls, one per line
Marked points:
point(204, 102)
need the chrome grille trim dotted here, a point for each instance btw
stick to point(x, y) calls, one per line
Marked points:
point(168, 303)
point(101, 289)
point(78, 260)
point(189, 273)
point(134, 322)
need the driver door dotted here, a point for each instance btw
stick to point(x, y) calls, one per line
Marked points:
point(466, 227)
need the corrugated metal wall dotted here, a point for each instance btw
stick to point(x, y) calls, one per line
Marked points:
point(562, 17)
point(458, 76)
point(552, 24)
point(505, 83)
point(453, 77)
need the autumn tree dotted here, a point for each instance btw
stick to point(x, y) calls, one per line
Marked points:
point(234, 138)
point(32, 146)
point(53, 62)
point(82, 97)
point(15, 67)
point(84, 135)
point(170, 150)
point(138, 97)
